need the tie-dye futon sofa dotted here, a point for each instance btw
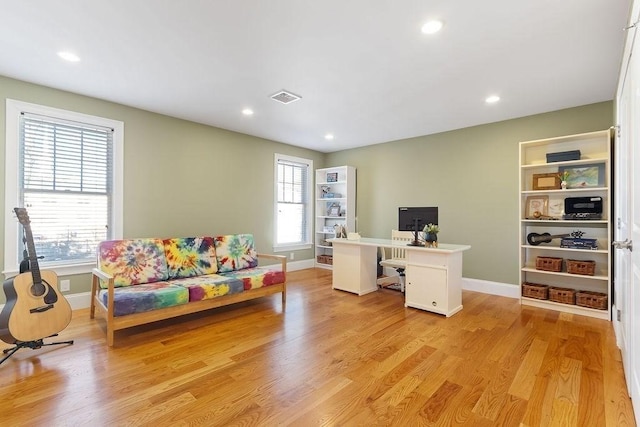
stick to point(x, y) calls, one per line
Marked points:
point(138, 281)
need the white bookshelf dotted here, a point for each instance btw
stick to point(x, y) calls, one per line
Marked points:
point(595, 151)
point(335, 205)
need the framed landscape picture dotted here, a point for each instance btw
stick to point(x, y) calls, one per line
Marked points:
point(584, 176)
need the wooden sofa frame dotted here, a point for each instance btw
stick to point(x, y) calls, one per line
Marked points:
point(115, 323)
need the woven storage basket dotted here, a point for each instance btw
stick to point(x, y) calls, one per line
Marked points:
point(533, 290)
point(563, 295)
point(587, 268)
point(325, 259)
point(591, 300)
point(548, 263)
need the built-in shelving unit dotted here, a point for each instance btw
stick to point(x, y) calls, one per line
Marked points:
point(335, 206)
point(539, 189)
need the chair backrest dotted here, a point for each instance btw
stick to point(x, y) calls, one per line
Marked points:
point(400, 237)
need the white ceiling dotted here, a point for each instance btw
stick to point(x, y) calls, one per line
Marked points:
point(364, 70)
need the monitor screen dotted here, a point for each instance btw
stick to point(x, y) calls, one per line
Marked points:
point(414, 219)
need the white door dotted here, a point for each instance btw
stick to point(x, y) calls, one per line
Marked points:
point(626, 315)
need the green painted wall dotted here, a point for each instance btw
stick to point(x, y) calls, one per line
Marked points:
point(178, 177)
point(471, 174)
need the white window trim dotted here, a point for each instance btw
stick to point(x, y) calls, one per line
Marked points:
point(12, 175)
point(309, 244)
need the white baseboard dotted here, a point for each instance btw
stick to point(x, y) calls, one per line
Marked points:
point(492, 288)
point(76, 301)
point(80, 300)
point(477, 285)
point(300, 265)
point(83, 299)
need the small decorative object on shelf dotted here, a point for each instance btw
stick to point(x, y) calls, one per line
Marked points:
point(334, 210)
point(546, 181)
point(431, 235)
point(341, 232)
point(332, 177)
point(563, 156)
point(564, 176)
point(577, 242)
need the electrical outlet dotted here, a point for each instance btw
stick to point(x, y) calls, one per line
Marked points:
point(291, 256)
point(65, 285)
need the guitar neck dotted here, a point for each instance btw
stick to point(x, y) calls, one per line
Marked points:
point(33, 258)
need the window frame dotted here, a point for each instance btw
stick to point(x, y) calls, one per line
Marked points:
point(12, 236)
point(309, 211)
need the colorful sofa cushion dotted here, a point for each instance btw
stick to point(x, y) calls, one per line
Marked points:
point(133, 261)
point(210, 286)
point(190, 256)
point(146, 297)
point(257, 277)
point(235, 252)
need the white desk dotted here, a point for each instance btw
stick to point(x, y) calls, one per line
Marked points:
point(433, 275)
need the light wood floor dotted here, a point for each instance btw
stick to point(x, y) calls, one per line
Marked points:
point(332, 359)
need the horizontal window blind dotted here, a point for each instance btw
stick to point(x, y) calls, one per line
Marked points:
point(292, 202)
point(65, 176)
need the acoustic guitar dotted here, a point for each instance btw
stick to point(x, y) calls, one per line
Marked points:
point(35, 309)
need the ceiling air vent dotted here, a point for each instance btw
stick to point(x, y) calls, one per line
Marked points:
point(285, 97)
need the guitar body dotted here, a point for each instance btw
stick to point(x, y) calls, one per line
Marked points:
point(35, 309)
point(30, 314)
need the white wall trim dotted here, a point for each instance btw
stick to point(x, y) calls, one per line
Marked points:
point(300, 265)
point(83, 299)
point(76, 301)
point(492, 288)
point(483, 286)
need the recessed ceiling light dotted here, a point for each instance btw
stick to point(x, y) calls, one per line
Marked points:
point(492, 99)
point(69, 56)
point(432, 27)
point(328, 136)
point(247, 112)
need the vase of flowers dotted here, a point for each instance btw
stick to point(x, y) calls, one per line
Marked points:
point(563, 179)
point(431, 234)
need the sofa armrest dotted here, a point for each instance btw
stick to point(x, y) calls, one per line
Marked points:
point(101, 274)
point(281, 258)
point(110, 289)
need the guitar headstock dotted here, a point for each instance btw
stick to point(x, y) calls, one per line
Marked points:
point(23, 216)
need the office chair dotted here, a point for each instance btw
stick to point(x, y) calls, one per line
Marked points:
point(397, 260)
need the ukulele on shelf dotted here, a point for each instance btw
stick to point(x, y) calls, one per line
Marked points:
point(535, 239)
point(35, 309)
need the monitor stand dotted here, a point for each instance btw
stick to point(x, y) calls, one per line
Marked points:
point(416, 241)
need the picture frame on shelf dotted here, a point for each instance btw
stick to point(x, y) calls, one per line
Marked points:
point(328, 229)
point(332, 176)
point(546, 181)
point(536, 207)
point(334, 210)
point(555, 207)
point(584, 176)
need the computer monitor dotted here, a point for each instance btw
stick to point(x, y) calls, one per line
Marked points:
point(415, 218)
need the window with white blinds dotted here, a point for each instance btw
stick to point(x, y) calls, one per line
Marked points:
point(65, 168)
point(293, 202)
point(65, 180)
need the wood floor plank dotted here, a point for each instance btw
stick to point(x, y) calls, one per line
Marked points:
point(328, 358)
